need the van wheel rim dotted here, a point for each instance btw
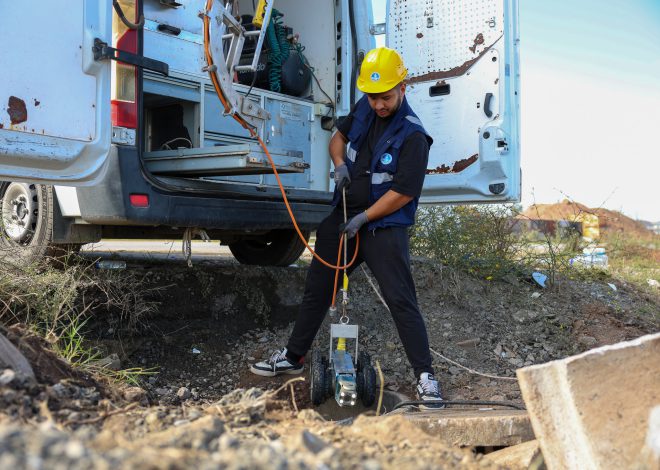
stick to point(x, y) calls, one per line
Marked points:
point(20, 211)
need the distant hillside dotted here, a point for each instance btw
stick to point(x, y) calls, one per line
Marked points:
point(611, 222)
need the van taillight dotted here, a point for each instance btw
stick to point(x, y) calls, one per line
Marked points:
point(124, 77)
point(139, 200)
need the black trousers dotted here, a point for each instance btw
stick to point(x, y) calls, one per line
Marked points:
point(386, 253)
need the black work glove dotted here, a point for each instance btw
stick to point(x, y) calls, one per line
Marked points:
point(352, 227)
point(342, 177)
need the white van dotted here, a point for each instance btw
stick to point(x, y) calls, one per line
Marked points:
point(91, 147)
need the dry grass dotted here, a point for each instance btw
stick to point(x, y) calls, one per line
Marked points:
point(56, 301)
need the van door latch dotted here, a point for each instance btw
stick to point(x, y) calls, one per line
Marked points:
point(102, 51)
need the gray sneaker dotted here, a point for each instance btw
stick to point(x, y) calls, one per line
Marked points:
point(429, 390)
point(276, 365)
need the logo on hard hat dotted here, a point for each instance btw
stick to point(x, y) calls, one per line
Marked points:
point(386, 159)
point(375, 77)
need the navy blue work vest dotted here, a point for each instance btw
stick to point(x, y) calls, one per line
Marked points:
point(385, 157)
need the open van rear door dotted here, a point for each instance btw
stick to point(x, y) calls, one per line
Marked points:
point(55, 124)
point(463, 83)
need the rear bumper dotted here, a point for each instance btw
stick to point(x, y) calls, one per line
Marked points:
point(231, 207)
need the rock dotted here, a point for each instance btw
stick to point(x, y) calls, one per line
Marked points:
point(59, 390)
point(198, 434)
point(183, 393)
point(134, 394)
point(8, 376)
point(392, 386)
point(588, 341)
point(153, 418)
point(8, 395)
point(511, 279)
point(312, 442)
point(227, 442)
point(468, 343)
point(74, 450)
point(310, 415)
point(162, 391)
point(518, 457)
point(524, 315)
point(371, 464)
point(111, 362)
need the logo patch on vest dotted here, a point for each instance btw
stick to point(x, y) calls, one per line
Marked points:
point(386, 159)
point(375, 77)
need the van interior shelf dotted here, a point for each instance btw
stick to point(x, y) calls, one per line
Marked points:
point(243, 159)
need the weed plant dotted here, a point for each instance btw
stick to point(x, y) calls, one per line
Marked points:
point(480, 240)
point(56, 301)
point(494, 242)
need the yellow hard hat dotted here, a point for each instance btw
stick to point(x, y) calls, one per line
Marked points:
point(381, 70)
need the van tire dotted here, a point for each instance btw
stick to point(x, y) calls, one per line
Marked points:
point(275, 248)
point(30, 242)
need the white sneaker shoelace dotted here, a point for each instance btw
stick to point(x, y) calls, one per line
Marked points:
point(428, 386)
point(276, 357)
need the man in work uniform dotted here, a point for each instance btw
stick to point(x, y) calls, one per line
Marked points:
point(383, 173)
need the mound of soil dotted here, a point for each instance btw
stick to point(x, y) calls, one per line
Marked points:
point(611, 222)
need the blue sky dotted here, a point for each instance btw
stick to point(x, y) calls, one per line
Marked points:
point(590, 98)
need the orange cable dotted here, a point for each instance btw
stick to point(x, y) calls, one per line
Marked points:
point(295, 223)
point(334, 291)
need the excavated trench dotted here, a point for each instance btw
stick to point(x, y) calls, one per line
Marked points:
point(213, 320)
point(210, 322)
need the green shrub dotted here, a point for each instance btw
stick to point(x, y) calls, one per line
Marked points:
point(480, 240)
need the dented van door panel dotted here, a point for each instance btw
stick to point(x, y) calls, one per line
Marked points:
point(54, 97)
point(463, 82)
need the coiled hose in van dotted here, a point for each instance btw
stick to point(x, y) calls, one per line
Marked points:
point(279, 50)
point(255, 135)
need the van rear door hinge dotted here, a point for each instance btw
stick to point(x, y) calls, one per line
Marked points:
point(102, 51)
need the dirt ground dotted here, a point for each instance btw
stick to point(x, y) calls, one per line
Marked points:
point(203, 409)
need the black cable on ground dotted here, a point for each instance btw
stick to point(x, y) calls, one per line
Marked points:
point(507, 404)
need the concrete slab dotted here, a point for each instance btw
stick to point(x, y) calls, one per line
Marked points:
point(472, 428)
point(520, 457)
point(591, 411)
